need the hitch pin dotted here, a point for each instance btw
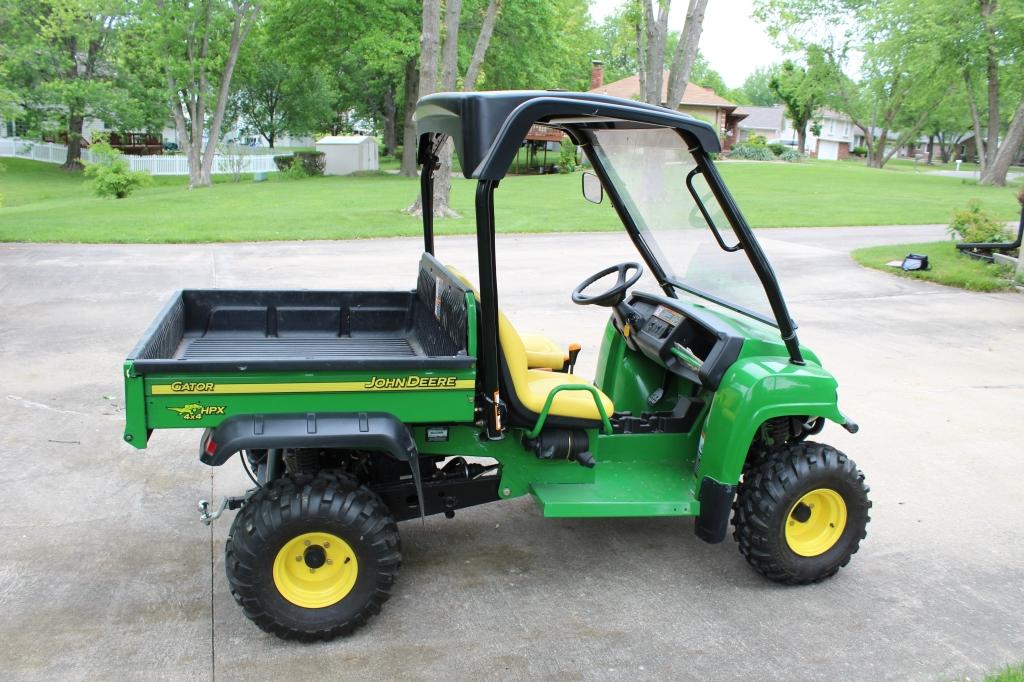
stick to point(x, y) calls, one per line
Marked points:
point(207, 517)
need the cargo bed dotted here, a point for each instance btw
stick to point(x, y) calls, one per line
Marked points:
point(218, 330)
point(213, 354)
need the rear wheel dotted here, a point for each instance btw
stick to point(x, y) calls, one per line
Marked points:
point(312, 558)
point(800, 515)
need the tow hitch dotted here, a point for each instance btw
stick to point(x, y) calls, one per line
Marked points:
point(231, 503)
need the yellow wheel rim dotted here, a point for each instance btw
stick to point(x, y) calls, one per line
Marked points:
point(815, 522)
point(315, 570)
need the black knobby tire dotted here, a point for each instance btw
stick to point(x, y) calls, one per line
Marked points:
point(767, 496)
point(288, 508)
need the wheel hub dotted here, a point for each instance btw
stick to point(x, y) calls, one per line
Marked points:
point(815, 522)
point(315, 570)
point(315, 556)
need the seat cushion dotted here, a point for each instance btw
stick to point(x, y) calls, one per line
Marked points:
point(542, 352)
point(570, 404)
point(532, 386)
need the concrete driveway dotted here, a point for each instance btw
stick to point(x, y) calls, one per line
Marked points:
point(108, 573)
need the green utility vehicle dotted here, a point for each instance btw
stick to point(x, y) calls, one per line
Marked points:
point(353, 410)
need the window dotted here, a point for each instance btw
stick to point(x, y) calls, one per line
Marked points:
point(832, 125)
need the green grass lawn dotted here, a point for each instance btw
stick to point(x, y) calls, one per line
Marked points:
point(947, 266)
point(43, 203)
point(1013, 673)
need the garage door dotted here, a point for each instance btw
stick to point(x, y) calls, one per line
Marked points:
point(828, 150)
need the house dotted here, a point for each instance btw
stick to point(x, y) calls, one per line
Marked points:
point(836, 137)
point(699, 102)
point(834, 141)
point(768, 122)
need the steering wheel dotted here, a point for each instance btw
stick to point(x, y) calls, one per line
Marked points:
point(616, 293)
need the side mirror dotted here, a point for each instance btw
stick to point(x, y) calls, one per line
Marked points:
point(592, 189)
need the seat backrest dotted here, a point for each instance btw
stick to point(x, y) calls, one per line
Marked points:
point(511, 343)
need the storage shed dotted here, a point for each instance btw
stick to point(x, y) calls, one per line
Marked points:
point(346, 154)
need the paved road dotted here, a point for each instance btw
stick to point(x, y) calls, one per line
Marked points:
point(107, 572)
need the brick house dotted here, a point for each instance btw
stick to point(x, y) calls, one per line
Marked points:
point(837, 137)
point(699, 102)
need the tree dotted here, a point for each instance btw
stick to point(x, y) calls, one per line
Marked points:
point(902, 76)
point(194, 46)
point(367, 52)
point(60, 59)
point(803, 90)
point(756, 89)
point(686, 53)
point(278, 95)
point(430, 49)
point(652, 66)
point(985, 40)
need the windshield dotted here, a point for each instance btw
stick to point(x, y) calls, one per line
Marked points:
point(671, 202)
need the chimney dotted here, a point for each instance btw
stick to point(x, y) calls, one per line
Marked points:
point(596, 74)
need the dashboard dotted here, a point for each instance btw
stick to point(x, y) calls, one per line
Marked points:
point(680, 337)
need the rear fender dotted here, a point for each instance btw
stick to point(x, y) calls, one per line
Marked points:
point(378, 431)
point(753, 391)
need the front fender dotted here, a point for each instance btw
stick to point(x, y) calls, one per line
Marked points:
point(752, 391)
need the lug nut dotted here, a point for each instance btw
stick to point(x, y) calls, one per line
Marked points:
point(298, 558)
point(326, 545)
point(307, 543)
point(330, 562)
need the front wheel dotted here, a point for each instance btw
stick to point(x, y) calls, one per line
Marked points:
point(800, 515)
point(312, 558)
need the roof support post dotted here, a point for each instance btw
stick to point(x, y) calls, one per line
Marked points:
point(429, 164)
point(488, 346)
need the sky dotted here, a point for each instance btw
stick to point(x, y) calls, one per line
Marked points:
point(732, 42)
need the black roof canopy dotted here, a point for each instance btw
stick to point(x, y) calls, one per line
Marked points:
point(489, 127)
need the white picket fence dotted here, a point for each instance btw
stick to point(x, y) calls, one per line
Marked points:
point(176, 164)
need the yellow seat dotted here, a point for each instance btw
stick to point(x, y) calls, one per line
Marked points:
point(532, 386)
point(542, 352)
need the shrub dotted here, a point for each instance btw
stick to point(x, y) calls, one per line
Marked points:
point(110, 175)
point(756, 140)
point(975, 225)
point(284, 162)
point(567, 156)
point(313, 163)
point(859, 151)
point(792, 155)
point(751, 152)
point(778, 149)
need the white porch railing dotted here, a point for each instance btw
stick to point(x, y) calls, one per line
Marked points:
point(176, 164)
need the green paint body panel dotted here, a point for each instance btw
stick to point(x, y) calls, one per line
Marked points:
point(410, 406)
point(652, 474)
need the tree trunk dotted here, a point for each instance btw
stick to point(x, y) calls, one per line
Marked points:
point(979, 143)
point(801, 137)
point(992, 77)
point(449, 75)
point(73, 161)
point(243, 22)
point(408, 168)
point(640, 65)
point(390, 124)
point(486, 31)
point(654, 59)
point(931, 148)
point(450, 50)
point(686, 53)
point(430, 46)
point(999, 162)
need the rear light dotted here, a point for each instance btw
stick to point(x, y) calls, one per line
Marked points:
point(211, 447)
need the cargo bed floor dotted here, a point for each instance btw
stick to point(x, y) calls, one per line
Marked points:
point(206, 348)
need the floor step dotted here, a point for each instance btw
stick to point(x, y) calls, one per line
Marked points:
point(619, 496)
